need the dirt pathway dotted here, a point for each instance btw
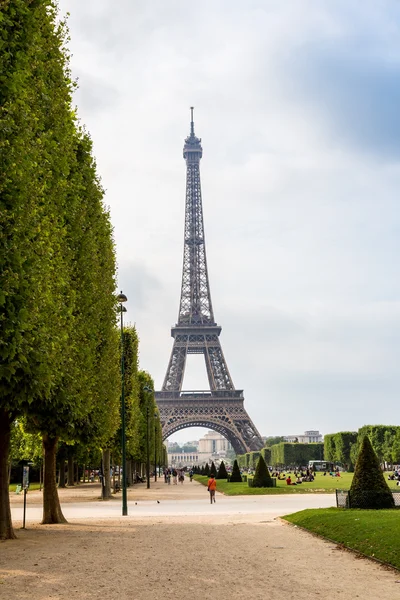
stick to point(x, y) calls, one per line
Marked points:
point(185, 558)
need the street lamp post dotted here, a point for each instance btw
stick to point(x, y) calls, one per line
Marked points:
point(155, 447)
point(146, 388)
point(161, 455)
point(148, 451)
point(121, 299)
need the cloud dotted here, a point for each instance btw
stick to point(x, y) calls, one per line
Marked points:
point(296, 104)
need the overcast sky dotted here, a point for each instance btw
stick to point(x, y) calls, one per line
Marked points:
point(297, 104)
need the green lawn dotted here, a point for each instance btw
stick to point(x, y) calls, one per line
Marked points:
point(320, 485)
point(373, 532)
point(33, 486)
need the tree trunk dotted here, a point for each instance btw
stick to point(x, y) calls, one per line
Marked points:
point(77, 479)
point(6, 528)
point(61, 477)
point(70, 481)
point(113, 477)
point(51, 504)
point(106, 487)
point(84, 474)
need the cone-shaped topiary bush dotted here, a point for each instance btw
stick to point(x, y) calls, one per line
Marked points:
point(369, 488)
point(236, 476)
point(207, 470)
point(262, 477)
point(222, 474)
point(213, 469)
point(202, 470)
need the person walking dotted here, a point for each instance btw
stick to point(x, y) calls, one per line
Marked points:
point(212, 486)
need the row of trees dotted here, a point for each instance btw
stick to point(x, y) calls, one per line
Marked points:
point(344, 446)
point(60, 347)
point(283, 453)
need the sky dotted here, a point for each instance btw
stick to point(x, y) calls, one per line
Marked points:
point(297, 104)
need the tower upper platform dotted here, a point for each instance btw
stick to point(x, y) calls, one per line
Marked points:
point(192, 150)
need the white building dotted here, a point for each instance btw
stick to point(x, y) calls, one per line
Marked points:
point(309, 437)
point(212, 447)
point(214, 443)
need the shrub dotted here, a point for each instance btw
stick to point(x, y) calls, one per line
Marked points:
point(213, 469)
point(369, 488)
point(207, 470)
point(222, 474)
point(236, 476)
point(262, 477)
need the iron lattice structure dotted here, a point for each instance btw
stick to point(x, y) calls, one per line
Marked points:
point(196, 332)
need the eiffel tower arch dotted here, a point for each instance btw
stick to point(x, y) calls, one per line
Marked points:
point(220, 408)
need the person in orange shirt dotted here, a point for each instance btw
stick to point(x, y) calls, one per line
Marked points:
point(212, 486)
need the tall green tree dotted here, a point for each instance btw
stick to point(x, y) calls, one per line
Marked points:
point(262, 477)
point(235, 475)
point(222, 473)
point(85, 401)
point(35, 149)
point(369, 488)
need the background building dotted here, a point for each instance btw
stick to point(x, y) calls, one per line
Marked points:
point(309, 437)
point(212, 447)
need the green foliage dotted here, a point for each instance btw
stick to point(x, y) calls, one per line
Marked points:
point(188, 448)
point(241, 460)
point(207, 470)
point(253, 458)
point(235, 475)
point(213, 469)
point(338, 447)
point(262, 477)
point(382, 438)
point(25, 446)
point(369, 488)
point(295, 454)
point(222, 473)
point(266, 454)
point(272, 440)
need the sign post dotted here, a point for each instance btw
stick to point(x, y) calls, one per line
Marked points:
point(25, 485)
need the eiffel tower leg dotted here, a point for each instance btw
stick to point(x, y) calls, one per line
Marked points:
point(217, 370)
point(176, 368)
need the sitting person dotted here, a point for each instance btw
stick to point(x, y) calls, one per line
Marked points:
point(289, 480)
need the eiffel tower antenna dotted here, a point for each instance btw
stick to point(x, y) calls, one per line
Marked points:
point(196, 332)
point(191, 121)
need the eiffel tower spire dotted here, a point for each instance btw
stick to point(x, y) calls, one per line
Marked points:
point(196, 332)
point(195, 305)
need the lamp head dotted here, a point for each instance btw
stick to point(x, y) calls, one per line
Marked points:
point(122, 298)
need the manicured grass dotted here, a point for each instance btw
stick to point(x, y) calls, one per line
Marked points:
point(320, 485)
point(373, 532)
point(33, 486)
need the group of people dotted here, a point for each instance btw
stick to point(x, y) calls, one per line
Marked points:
point(395, 476)
point(299, 476)
point(175, 474)
point(179, 475)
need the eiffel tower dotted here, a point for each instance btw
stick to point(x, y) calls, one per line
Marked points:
point(221, 407)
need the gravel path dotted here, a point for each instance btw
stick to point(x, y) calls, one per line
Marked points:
point(231, 554)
